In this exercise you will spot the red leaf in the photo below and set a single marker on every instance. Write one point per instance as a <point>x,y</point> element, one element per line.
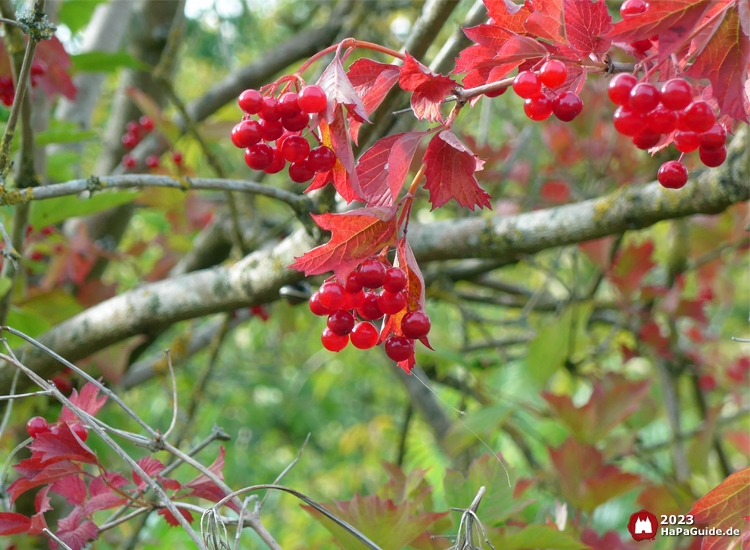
<point>87,401</point>
<point>51,473</point>
<point>149,465</point>
<point>355,236</point>
<point>103,501</point>
<point>630,266</point>
<point>383,168</point>
<point>555,191</point>
<point>38,524</point>
<point>547,21</point>
<point>56,79</point>
<point>586,25</point>
<point>75,531</point>
<point>98,485</point>
<point>724,61</point>
<point>340,90</point>
<point>598,251</point>
<point>429,89</point>
<point>520,48</point>
<point>171,520</point>
<point>13,524</point>
<point>72,488</point>
<point>491,37</point>
<point>508,15</point>
<point>169,483</point>
<point>41,501</point>
<point>63,445</point>
<point>608,541</point>
<point>372,81</point>
<point>450,173</point>
<point>724,508</point>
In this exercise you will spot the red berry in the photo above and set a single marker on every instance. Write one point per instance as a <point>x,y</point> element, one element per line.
<point>415,324</point>
<point>29,230</point>
<point>567,106</point>
<point>271,130</point>
<point>147,123</point>
<point>270,110</point>
<point>129,140</point>
<point>395,279</point>
<point>628,122</point>
<point>527,85</point>
<point>496,93</point>
<point>391,302</point>
<point>332,295</point>
<point>676,94</point>
<point>246,133</point>
<point>364,336</point>
<point>633,7</point>
<point>63,384</point>
<point>295,123</point>
<point>399,348</point>
<point>322,159</point>
<point>288,105</point>
<point>706,382</point>
<point>619,88</point>
<point>553,73</point>
<point>37,256</point>
<point>715,138</point>
<point>251,101</point>
<point>713,157</point>
<point>300,171</point>
<point>36,426</point>
<point>686,142</point>
<point>371,274</point>
<point>642,45</point>
<point>700,117</point>
<point>538,108</point>
<point>177,157</point>
<point>295,148</point>
<point>352,283</point>
<point>38,68</point>
<point>662,120</point>
<point>277,165</point>
<point>316,307</point>
<point>129,162</point>
<point>341,322</point>
<point>673,175</point>
<point>646,139</point>
<point>644,97</point>
<point>370,310</point>
<point>152,161</point>
<point>259,156</point>
<point>312,99</point>
<point>353,300</point>
<point>80,431</point>
<point>332,341</point>
<point>133,127</point>
<point>48,230</point>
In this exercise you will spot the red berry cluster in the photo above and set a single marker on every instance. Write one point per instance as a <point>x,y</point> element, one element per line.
<point>38,425</point>
<point>340,302</point>
<point>645,113</point>
<point>541,99</point>
<point>7,90</point>
<point>282,120</point>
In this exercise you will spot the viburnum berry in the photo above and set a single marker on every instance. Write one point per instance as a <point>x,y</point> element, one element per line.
<point>395,279</point>
<point>270,110</point>
<point>37,256</point>
<point>332,295</point>
<point>288,105</point>
<point>332,341</point>
<point>686,142</point>
<point>567,106</point>
<point>527,85</point>
<point>246,133</point>
<point>538,108</point>
<point>628,122</point>
<point>619,88</point>
<point>370,310</point>
<point>662,120</point>
<point>353,300</point>
<point>399,348</point>
<point>371,274</point>
<point>300,171</point>
<point>277,164</point>
<point>364,335</point>
<point>415,324</point>
<point>676,94</point>
<point>63,384</point>
<point>714,138</point>
<point>644,97</point>
<point>706,382</point>
<point>682,122</point>
<point>713,157</point>
<point>36,426</point>
<point>316,307</point>
<point>129,162</point>
<point>642,45</point>
<point>646,139</point>
<point>295,148</point>
<point>152,161</point>
<point>271,130</point>
<point>80,431</point>
<point>295,123</point>
<point>48,230</point>
<point>341,322</point>
<point>391,302</point>
<point>352,283</point>
<point>700,117</point>
<point>134,128</point>
<point>322,159</point>
<point>553,73</point>
<point>146,123</point>
<point>312,99</point>
<point>633,7</point>
<point>259,156</point>
<point>251,101</point>
<point>673,175</point>
<point>177,157</point>
<point>129,140</point>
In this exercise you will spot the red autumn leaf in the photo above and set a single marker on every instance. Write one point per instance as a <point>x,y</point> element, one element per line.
<point>203,487</point>
<point>49,474</point>
<point>75,531</point>
<point>171,520</point>
<point>631,265</point>
<point>491,37</point>
<point>586,25</point>
<point>13,524</point>
<point>608,541</point>
<point>372,81</point>
<point>355,236</point>
<point>450,173</point>
<point>72,488</point>
<point>598,251</point>
<point>547,21</point>
<point>104,483</point>
<point>340,91</point>
<point>724,61</point>
<point>38,524</point>
<point>87,401</point>
<point>169,483</point>
<point>149,465</point>
<point>41,501</point>
<point>555,191</point>
<point>724,508</point>
<point>63,445</point>
<point>507,14</point>
<point>429,89</point>
<point>103,501</point>
<point>520,48</point>
<point>56,79</point>
<point>651,335</point>
<point>382,169</point>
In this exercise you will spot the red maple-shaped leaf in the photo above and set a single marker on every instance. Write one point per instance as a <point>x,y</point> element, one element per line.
<point>340,91</point>
<point>450,173</point>
<point>75,530</point>
<point>355,236</point>
<point>48,474</point>
<point>56,79</point>
<point>547,21</point>
<point>631,265</point>
<point>203,487</point>
<point>519,49</point>
<point>382,169</point>
<point>42,505</point>
<point>429,89</point>
<point>88,401</point>
<point>372,81</point>
<point>63,445</point>
<point>13,524</point>
<point>72,488</point>
<point>724,61</point>
<point>586,25</point>
<point>171,520</point>
<point>103,501</point>
<point>149,465</point>
<point>105,482</point>
<point>724,508</point>
<point>507,14</point>
<point>169,483</point>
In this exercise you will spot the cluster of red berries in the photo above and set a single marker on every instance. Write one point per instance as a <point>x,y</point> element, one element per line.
<point>8,89</point>
<point>135,131</point>
<point>646,113</point>
<point>38,425</point>
<point>541,99</point>
<point>282,120</point>
<point>340,302</point>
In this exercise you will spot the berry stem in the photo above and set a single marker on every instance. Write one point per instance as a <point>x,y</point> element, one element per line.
<point>350,43</point>
<point>406,212</point>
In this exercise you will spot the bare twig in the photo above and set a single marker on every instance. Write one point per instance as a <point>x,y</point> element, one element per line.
<point>286,470</point>
<point>10,398</point>
<point>54,537</point>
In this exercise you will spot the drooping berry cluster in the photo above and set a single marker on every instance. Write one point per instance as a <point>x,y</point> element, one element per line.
<point>646,113</point>
<point>282,120</point>
<point>541,99</point>
<point>343,303</point>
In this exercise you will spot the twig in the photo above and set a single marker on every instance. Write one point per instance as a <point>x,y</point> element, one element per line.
<point>15,23</point>
<point>54,537</point>
<point>286,470</point>
<point>10,398</point>
<point>240,520</point>
<point>174,395</point>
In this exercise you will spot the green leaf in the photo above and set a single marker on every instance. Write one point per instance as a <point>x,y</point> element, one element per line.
<point>75,14</point>
<point>541,537</point>
<point>64,136</point>
<point>60,165</point>
<point>52,211</point>
<point>5,284</point>
<point>26,321</point>
<point>55,306</point>
<point>105,62</point>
